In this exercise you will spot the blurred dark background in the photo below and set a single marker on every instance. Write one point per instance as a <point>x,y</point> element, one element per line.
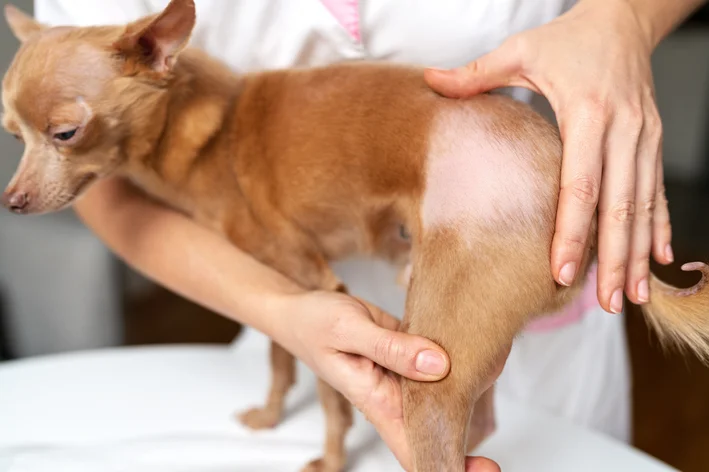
<point>61,290</point>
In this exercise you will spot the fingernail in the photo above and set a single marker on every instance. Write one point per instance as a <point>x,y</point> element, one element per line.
<point>430,363</point>
<point>567,274</point>
<point>669,254</point>
<point>440,70</point>
<point>617,302</point>
<point>643,291</point>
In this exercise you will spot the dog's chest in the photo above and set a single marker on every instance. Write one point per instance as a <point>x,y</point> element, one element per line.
<point>181,199</point>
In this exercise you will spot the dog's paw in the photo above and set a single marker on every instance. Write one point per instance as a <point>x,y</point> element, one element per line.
<point>319,465</point>
<point>259,418</point>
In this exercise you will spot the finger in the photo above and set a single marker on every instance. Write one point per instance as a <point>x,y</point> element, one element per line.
<point>661,227</point>
<point>481,464</point>
<point>377,394</point>
<point>578,198</point>
<point>393,434</point>
<point>496,69</point>
<point>380,317</point>
<point>637,286</point>
<point>392,431</point>
<point>413,357</point>
<point>616,210</point>
<point>378,397</point>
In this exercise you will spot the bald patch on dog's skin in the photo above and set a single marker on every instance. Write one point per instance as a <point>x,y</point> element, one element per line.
<point>477,176</point>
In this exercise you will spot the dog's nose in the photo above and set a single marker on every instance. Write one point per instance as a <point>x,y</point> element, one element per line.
<point>16,201</point>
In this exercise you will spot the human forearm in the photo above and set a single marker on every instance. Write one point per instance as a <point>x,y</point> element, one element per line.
<point>183,256</point>
<point>658,18</point>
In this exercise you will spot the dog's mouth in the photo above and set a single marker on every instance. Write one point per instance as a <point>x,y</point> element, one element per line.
<point>83,183</point>
<point>67,199</point>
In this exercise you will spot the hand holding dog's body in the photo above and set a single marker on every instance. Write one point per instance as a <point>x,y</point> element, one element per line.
<point>593,65</point>
<point>340,354</point>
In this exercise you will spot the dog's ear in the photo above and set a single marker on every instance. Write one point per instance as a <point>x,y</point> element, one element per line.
<point>156,41</point>
<point>21,24</point>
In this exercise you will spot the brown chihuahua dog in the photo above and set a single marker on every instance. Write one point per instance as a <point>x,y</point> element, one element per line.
<point>302,167</point>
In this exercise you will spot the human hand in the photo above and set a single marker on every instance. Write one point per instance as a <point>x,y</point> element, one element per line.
<point>356,348</point>
<point>593,66</point>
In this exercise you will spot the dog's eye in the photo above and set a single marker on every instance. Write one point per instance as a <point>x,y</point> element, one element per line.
<point>17,137</point>
<point>66,135</point>
<point>404,233</point>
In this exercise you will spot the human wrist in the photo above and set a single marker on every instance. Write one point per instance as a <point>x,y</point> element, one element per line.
<point>645,17</point>
<point>656,19</point>
<point>621,15</point>
<point>270,312</point>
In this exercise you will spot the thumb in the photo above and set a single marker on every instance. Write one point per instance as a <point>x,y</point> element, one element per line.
<point>411,356</point>
<point>493,70</point>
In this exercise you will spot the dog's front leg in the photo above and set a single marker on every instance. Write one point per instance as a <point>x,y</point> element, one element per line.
<point>338,418</point>
<point>338,415</point>
<point>296,256</point>
<point>282,379</point>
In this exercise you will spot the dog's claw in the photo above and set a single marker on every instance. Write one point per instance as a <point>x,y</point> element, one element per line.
<point>259,418</point>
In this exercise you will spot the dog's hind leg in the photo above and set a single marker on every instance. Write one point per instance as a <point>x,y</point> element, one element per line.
<point>482,423</point>
<point>467,296</point>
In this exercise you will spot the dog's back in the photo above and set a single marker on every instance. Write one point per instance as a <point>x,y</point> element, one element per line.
<point>351,149</point>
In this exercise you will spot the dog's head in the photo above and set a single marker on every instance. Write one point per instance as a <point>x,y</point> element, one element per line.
<point>79,97</point>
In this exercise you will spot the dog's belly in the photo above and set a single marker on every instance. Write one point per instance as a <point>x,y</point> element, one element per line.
<point>375,281</point>
<point>379,236</point>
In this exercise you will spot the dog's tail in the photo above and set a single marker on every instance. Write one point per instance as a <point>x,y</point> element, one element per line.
<point>680,317</point>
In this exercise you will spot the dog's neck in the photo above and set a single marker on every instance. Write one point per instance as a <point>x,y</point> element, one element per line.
<point>178,128</point>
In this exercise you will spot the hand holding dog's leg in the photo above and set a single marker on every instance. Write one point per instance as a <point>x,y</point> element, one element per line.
<point>345,343</point>
<point>356,350</point>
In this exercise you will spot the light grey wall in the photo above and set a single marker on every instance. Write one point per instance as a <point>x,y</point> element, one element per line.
<point>10,149</point>
<point>681,73</point>
<point>61,288</point>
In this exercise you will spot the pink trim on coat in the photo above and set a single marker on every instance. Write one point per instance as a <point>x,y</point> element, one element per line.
<point>347,14</point>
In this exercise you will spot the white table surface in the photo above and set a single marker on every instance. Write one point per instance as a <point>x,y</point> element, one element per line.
<point>160,409</point>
